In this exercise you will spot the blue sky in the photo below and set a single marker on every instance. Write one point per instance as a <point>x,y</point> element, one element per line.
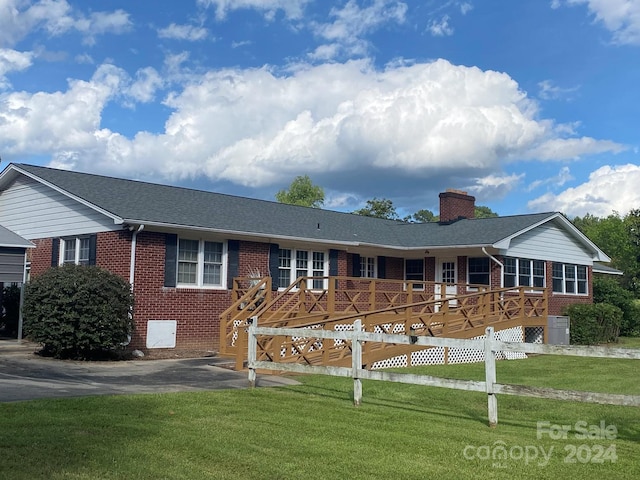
<point>529,105</point>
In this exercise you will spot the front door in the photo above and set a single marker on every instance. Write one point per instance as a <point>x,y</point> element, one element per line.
<point>447,276</point>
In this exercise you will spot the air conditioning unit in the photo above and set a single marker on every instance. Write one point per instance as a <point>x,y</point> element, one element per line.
<point>558,330</point>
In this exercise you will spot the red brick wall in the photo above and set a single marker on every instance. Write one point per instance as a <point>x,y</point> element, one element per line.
<point>455,204</point>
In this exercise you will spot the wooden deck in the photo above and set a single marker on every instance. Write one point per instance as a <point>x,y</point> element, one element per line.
<point>387,306</point>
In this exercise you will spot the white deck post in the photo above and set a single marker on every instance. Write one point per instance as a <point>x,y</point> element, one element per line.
<point>356,362</point>
<point>252,348</point>
<point>490,376</point>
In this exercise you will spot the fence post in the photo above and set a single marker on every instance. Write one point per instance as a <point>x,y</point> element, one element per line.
<point>356,362</point>
<point>490,377</point>
<point>252,349</point>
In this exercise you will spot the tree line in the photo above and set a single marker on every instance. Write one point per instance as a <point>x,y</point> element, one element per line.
<point>304,193</point>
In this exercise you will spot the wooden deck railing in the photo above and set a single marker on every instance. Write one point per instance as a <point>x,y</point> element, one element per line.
<point>386,306</point>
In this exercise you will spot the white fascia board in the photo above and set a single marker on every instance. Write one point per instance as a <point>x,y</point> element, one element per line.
<point>116,219</point>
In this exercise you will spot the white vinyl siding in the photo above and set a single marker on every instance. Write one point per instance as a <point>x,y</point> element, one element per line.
<point>34,210</point>
<point>551,243</point>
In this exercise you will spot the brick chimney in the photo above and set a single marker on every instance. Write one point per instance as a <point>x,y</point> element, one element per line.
<point>456,204</point>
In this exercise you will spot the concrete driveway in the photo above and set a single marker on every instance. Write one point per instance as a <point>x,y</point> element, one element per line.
<point>26,376</point>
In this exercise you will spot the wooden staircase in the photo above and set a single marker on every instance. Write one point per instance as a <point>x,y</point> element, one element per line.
<point>385,306</point>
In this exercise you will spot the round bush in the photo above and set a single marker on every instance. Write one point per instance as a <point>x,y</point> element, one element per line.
<point>79,312</point>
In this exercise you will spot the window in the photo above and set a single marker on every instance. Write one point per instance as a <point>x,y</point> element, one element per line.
<point>368,267</point>
<point>414,270</point>
<point>479,271</point>
<point>201,263</point>
<point>569,279</point>
<point>75,250</point>
<point>301,263</point>
<point>522,272</point>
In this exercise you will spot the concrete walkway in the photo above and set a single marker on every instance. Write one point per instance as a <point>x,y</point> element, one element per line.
<point>26,376</point>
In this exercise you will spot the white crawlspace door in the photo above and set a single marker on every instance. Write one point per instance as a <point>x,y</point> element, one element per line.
<point>447,277</point>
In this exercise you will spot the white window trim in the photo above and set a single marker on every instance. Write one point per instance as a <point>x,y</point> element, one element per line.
<point>293,270</point>
<point>364,260</point>
<point>575,279</point>
<point>200,267</point>
<point>531,275</point>
<point>76,260</point>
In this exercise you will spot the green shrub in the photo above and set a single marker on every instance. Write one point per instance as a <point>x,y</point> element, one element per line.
<point>79,312</point>
<point>609,290</point>
<point>10,310</point>
<point>594,323</point>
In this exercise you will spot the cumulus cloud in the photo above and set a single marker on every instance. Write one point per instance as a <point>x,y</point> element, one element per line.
<point>407,126</point>
<point>609,189</point>
<point>292,9</point>
<point>183,32</point>
<point>440,27</point>
<point>42,123</point>
<point>12,61</point>
<point>56,17</point>
<point>493,186</point>
<point>620,17</point>
<point>351,22</point>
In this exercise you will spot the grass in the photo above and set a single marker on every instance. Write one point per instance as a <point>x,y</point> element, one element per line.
<point>313,430</point>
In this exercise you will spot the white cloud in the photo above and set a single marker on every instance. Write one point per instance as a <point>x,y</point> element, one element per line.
<point>147,81</point>
<point>441,27</point>
<point>19,18</point>
<point>550,91</point>
<point>495,185</point>
<point>620,17</point>
<point>465,7</point>
<point>571,148</point>
<point>609,189</point>
<point>49,123</point>
<point>563,176</point>
<point>351,22</point>
<point>408,123</point>
<point>183,32</point>
<point>292,9</point>
<point>12,61</point>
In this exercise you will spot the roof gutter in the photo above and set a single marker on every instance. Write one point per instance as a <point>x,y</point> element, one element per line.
<point>134,241</point>
<point>484,250</point>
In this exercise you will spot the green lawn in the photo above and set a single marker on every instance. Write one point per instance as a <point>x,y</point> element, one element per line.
<point>314,431</point>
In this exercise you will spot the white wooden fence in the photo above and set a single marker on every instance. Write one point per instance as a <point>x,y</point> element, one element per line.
<point>489,344</point>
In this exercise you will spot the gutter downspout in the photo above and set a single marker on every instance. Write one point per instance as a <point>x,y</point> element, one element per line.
<point>132,267</point>
<point>484,250</point>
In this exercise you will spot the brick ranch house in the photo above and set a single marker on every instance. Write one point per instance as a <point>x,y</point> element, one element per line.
<point>181,248</point>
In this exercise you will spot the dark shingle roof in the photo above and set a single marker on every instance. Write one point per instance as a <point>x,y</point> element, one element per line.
<point>148,203</point>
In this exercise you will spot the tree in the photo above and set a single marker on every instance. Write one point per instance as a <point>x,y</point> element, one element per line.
<point>484,212</point>
<point>425,216</point>
<point>617,237</point>
<point>422,216</point>
<point>379,208</point>
<point>78,312</point>
<point>302,192</point>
